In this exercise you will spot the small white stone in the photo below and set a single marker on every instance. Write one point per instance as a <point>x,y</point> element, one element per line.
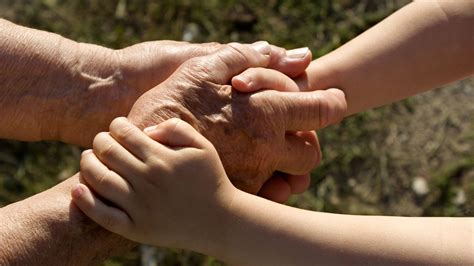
<point>191,31</point>
<point>420,186</point>
<point>460,197</point>
<point>352,182</point>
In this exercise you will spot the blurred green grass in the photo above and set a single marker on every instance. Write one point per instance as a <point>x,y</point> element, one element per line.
<point>370,160</point>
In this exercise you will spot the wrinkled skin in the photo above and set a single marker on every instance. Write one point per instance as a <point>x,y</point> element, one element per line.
<point>239,126</point>
<point>249,131</point>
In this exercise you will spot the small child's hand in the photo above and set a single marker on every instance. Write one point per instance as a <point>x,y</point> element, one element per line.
<point>170,192</point>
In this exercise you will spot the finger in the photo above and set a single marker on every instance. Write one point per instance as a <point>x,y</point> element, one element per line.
<point>307,110</point>
<point>162,59</point>
<point>298,183</point>
<point>190,50</point>
<point>177,133</point>
<point>297,157</point>
<point>111,218</point>
<point>292,62</point>
<point>312,138</point>
<point>275,189</point>
<point>116,157</point>
<point>132,139</point>
<point>227,62</point>
<point>254,79</point>
<point>105,182</point>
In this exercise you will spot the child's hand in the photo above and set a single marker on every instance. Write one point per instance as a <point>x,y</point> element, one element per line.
<point>170,192</point>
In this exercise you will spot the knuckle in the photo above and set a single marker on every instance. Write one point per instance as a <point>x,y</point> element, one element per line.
<point>279,55</point>
<point>155,165</point>
<point>117,123</point>
<point>99,140</point>
<point>235,46</point>
<point>123,132</point>
<point>195,64</point>
<point>85,167</point>
<point>213,46</point>
<point>103,178</point>
<point>258,74</point>
<point>173,122</point>
<point>232,56</point>
<point>103,147</point>
<point>238,52</point>
<point>197,68</point>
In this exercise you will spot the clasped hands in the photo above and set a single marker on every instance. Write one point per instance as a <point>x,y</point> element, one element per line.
<point>242,98</point>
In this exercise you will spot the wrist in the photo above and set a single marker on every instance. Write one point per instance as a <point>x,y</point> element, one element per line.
<point>322,74</point>
<point>233,229</point>
<point>96,91</point>
<point>214,236</point>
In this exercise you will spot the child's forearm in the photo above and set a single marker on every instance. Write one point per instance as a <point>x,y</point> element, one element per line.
<point>423,45</point>
<point>261,232</point>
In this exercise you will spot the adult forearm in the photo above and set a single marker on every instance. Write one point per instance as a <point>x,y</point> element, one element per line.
<point>47,229</point>
<point>261,232</point>
<point>52,88</point>
<point>423,45</point>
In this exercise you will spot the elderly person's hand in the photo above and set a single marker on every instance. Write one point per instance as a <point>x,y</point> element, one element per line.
<point>72,92</point>
<point>248,130</point>
<point>116,78</point>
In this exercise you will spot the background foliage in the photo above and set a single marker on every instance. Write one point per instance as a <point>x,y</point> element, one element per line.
<point>411,158</point>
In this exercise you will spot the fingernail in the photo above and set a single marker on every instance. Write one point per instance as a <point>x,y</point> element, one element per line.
<point>86,152</point>
<point>149,129</point>
<point>77,192</point>
<point>297,53</point>
<point>244,79</point>
<point>262,47</point>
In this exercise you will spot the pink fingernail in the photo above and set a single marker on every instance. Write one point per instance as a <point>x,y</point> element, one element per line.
<point>86,152</point>
<point>78,191</point>
<point>297,53</point>
<point>262,47</point>
<point>243,78</point>
<point>149,129</point>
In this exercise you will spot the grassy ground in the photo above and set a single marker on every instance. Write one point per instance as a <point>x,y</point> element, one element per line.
<point>412,158</point>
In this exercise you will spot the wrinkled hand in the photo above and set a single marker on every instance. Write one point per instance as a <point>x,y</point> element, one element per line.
<point>115,79</point>
<point>249,131</point>
<point>147,64</point>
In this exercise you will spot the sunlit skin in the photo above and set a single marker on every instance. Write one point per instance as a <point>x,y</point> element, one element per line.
<point>424,45</point>
<point>81,87</point>
<point>166,186</point>
<point>393,60</point>
<point>253,133</point>
<point>71,93</point>
<point>435,47</point>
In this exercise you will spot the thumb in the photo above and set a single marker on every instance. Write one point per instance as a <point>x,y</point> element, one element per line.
<point>292,63</point>
<point>176,133</point>
<point>304,111</point>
